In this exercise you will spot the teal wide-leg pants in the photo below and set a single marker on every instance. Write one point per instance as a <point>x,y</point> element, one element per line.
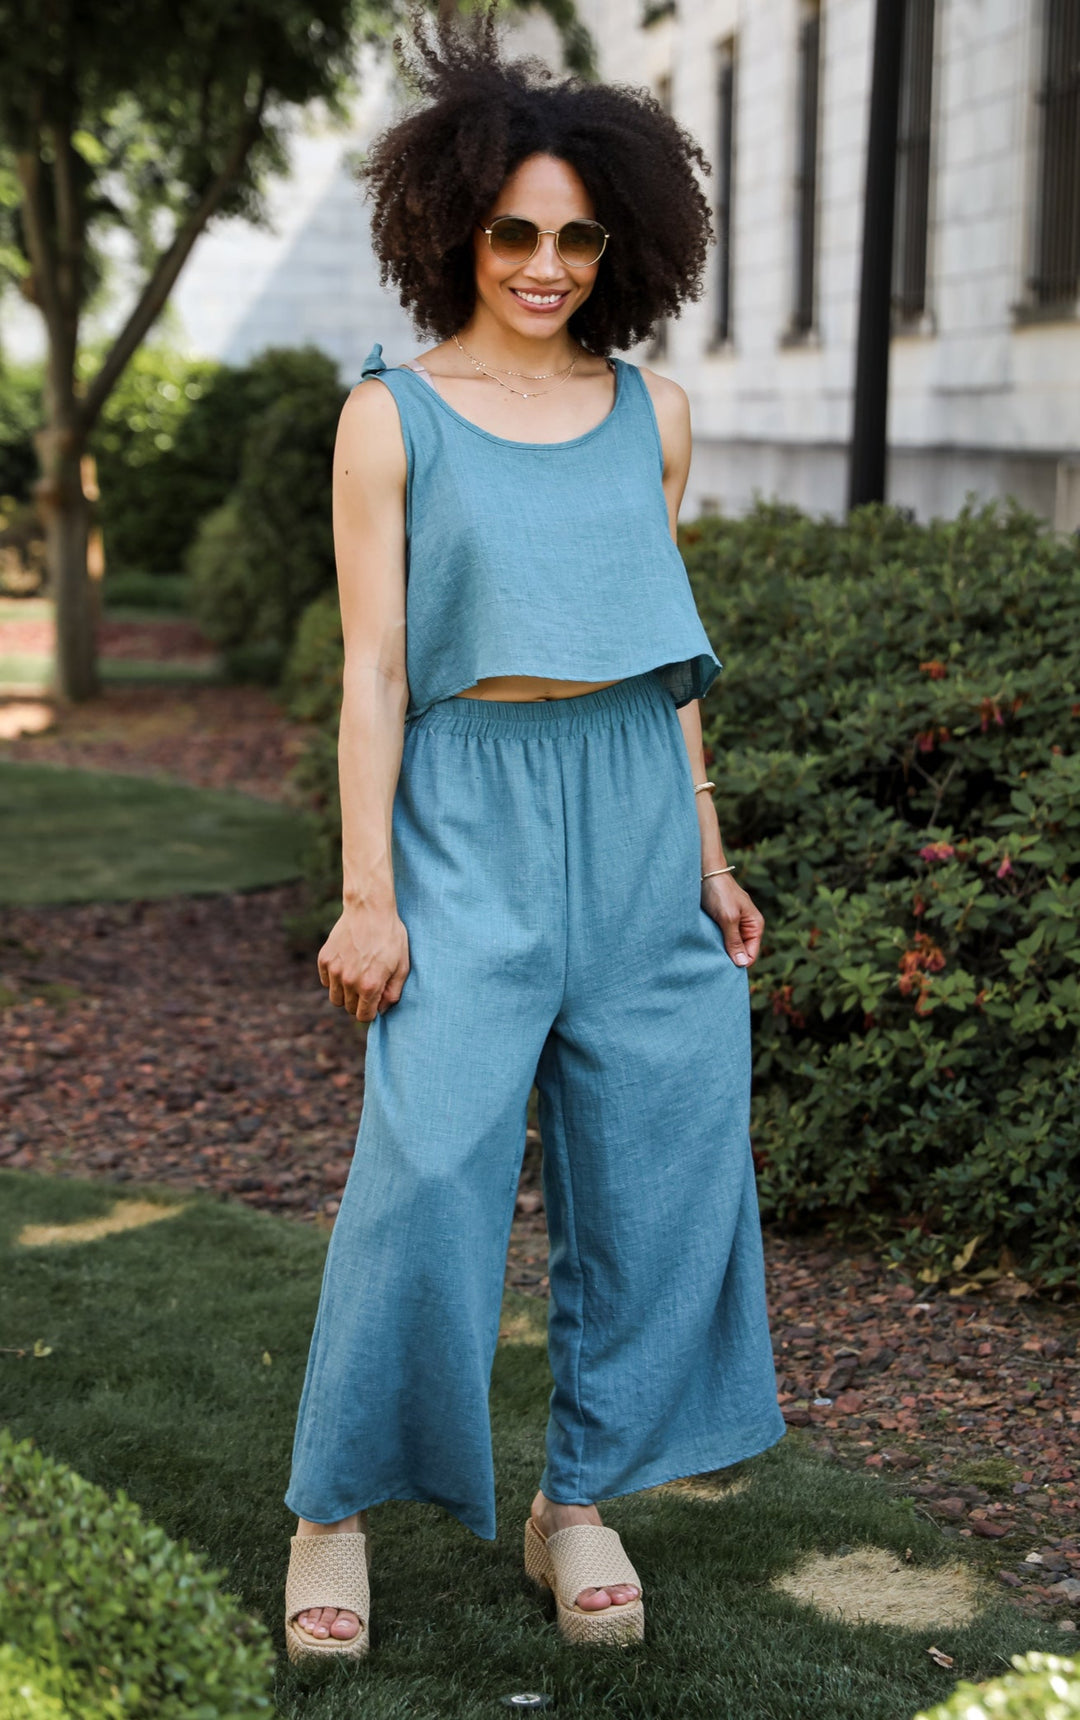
<point>547,869</point>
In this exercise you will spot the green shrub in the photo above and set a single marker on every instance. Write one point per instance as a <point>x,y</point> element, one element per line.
<point>893,742</point>
<point>111,1615</point>
<point>30,1690</point>
<point>311,688</point>
<point>152,494</point>
<point>258,560</point>
<point>21,409</point>
<point>1043,1687</point>
<point>223,585</point>
<point>170,592</point>
<point>894,746</point>
<point>170,444</point>
<point>311,683</point>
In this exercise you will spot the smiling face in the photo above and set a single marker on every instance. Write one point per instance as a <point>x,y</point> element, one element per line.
<point>536,298</point>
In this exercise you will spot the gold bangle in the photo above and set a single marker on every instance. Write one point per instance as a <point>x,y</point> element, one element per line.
<point>698,786</point>
<point>716,873</point>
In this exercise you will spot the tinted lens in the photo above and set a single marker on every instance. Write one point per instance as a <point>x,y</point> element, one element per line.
<point>580,243</point>
<point>513,239</point>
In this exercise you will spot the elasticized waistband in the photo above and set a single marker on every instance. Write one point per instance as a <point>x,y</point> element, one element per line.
<point>569,715</point>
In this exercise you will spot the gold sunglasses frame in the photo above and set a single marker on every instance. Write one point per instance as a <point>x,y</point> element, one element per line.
<point>540,231</point>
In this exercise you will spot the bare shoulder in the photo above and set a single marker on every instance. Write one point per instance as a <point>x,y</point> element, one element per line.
<point>369,431</point>
<point>672,409</point>
<point>666,394</point>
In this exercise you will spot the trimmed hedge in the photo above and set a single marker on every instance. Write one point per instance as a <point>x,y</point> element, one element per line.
<point>108,1614</point>
<point>1043,1687</point>
<point>894,745</point>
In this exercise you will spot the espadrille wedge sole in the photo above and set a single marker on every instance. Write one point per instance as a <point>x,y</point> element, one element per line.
<point>328,1571</point>
<point>585,1556</point>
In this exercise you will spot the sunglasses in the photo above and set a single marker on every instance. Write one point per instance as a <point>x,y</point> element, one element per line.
<point>515,240</point>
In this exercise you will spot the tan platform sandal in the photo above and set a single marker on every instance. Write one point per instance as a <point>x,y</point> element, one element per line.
<point>585,1556</point>
<point>328,1571</point>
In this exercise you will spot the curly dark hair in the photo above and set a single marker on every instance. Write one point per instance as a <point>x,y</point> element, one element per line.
<point>434,172</point>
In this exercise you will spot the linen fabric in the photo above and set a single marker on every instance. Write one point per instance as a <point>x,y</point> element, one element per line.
<point>540,558</point>
<point>547,863</point>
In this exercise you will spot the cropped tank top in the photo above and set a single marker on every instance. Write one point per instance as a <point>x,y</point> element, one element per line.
<point>552,559</point>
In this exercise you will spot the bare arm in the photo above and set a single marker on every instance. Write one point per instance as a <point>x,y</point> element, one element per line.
<point>723,899</point>
<point>364,962</point>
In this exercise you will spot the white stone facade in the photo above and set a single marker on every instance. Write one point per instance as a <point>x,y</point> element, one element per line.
<point>980,398</point>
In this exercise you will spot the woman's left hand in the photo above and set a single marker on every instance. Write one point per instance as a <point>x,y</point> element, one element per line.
<point>741,923</point>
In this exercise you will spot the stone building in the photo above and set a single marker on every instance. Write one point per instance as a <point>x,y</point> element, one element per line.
<point>985,357</point>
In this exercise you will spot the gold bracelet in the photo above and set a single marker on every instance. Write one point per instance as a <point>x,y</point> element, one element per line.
<point>716,873</point>
<point>698,786</point>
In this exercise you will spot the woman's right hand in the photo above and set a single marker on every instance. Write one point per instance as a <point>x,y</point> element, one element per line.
<point>365,961</point>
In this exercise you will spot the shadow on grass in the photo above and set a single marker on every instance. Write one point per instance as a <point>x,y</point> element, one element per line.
<point>157,1383</point>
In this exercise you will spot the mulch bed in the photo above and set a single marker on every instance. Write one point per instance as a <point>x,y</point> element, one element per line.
<point>208,736</point>
<point>168,639</point>
<point>188,1042</point>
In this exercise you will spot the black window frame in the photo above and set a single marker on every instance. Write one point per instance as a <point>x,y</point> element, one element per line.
<point>726,148</point>
<point>914,141</point>
<point>808,112</point>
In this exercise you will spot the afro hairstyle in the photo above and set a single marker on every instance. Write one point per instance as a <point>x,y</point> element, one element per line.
<point>436,170</point>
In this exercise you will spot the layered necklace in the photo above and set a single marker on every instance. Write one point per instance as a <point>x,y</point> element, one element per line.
<point>522,393</point>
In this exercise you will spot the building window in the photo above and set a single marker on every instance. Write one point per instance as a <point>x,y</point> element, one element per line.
<point>725,185</point>
<point>1055,278</point>
<point>802,316</point>
<point>913,161</point>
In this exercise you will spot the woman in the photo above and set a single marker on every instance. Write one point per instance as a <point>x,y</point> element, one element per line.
<point>535,886</point>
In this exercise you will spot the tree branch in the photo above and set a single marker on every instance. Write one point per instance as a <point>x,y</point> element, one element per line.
<point>159,285</point>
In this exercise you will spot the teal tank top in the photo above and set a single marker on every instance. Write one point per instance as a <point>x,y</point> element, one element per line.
<point>540,558</point>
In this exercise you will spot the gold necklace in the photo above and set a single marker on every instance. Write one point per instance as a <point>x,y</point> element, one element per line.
<point>522,393</point>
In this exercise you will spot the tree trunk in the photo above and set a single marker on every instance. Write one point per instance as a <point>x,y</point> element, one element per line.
<point>66,517</point>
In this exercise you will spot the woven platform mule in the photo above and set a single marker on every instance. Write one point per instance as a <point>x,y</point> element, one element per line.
<point>328,1571</point>
<point>585,1556</point>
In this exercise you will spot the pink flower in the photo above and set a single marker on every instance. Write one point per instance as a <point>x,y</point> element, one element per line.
<point>1005,868</point>
<point>937,851</point>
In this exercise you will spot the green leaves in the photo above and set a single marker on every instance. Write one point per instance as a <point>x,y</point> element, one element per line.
<point>114,1620</point>
<point>895,740</point>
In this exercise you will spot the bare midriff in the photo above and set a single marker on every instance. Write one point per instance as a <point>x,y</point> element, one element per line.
<point>528,687</point>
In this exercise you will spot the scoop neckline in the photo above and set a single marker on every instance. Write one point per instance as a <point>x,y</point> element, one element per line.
<point>511,441</point>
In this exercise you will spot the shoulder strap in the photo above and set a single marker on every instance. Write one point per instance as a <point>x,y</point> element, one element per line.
<point>374,364</point>
<point>642,406</point>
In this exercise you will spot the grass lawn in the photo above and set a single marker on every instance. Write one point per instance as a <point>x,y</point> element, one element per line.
<point>19,671</point>
<point>82,836</point>
<point>157,1382</point>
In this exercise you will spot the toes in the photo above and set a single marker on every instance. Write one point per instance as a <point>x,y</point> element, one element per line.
<point>619,1594</point>
<point>594,1600</point>
<point>328,1621</point>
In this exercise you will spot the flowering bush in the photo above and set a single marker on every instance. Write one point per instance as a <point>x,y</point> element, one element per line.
<point>894,745</point>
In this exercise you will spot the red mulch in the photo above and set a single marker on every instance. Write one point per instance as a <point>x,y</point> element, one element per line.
<point>186,1042</point>
<point>209,736</point>
<point>167,639</point>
